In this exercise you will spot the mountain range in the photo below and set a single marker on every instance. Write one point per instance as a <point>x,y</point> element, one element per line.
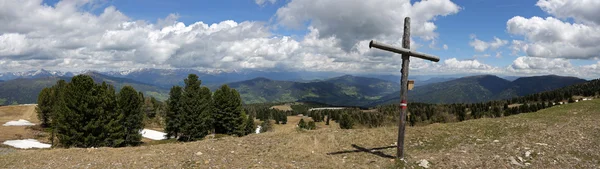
<point>482,88</point>
<point>26,90</point>
<point>261,87</point>
<point>342,91</point>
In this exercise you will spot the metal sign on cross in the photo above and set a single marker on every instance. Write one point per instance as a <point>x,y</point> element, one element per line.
<point>406,53</point>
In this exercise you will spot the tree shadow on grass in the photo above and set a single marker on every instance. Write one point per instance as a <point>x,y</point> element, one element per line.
<point>366,150</point>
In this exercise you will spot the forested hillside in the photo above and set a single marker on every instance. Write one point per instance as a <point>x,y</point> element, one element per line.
<point>482,88</point>
<point>344,90</point>
<point>26,90</point>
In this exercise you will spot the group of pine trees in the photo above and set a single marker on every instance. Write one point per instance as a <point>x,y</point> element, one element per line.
<point>193,112</point>
<point>81,113</point>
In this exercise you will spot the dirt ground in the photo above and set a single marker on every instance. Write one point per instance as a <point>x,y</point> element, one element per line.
<point>13,113</point>
<point>566,136</point>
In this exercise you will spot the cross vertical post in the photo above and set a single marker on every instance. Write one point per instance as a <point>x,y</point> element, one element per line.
<point>406,54</point>
<point>403,89</point>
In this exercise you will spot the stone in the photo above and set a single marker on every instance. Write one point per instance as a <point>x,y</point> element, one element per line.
<point>199,153</point>
<point>514,162</point>
<point>527,153</point>
<point>496,141</point>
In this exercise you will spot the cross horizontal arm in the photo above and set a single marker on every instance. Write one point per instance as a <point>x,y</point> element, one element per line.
<point>390,48</point>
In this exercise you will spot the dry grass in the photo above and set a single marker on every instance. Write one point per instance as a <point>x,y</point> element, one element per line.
<point>566,136</point>
<point>514,105</point>
<point>12,113</point>
<point>285,107</point>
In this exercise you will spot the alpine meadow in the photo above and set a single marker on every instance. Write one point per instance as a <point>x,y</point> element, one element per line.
<point>299,84</point>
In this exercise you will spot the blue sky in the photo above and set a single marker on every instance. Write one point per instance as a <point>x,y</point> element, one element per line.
<point>483,18</point>
<point>508,37</point>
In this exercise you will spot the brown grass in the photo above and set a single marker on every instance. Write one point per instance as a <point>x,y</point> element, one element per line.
<point>566,136</point>
<point>13,113</point>
<point>285,107</point>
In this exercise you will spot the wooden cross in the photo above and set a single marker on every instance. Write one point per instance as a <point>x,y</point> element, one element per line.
<point>406,53</point>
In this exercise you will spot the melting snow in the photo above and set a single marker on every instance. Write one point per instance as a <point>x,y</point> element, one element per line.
<point>153,134</point>
<point>26,144</point>
<point>19,122</point>
<point>258,129</point>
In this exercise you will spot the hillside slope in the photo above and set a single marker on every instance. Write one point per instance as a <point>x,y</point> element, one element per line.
<point>482,88</point>
<point>27,90</point>
<point>564,136</point>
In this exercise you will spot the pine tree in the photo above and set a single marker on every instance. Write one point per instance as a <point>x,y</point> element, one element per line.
<point>130,104</point>
<point>328,117</point>
<point>58,107</point>
<point>110,117</point>
<point>228,111</point>
<point>302,124</point>
<point>173,119</point>
<point>266,126</point>
<point>76,127</point>
<point>346,121</point>
<point>250,127</point>
<point>44,107</point>
<point>311,125</point>
<point>283,118</point>
<point>197,110</point>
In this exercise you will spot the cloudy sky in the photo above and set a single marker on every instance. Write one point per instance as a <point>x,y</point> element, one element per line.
<point>508,37</point>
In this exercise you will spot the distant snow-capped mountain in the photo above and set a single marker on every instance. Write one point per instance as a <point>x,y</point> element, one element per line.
<point>33,74</point>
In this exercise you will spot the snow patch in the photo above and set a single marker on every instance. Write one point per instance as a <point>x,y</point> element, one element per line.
<point>258,129</point>
<point>19,122</point>
<point>26,144</point>
<point>153,134</point>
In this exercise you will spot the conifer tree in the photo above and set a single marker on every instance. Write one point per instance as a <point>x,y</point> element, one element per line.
<point>76,127</point>
<point>346,121</point>
<point>110,117</point>
<point>59,107</point>
<point>197,110</point>
<point>228,112</point>
<point>173,120</point>
<point>44,107</point>
<point>283,118</point>
<point>249,125</point>
<point>302,123</point>
<point>130,104</point>
<point>328,117</point>
<point>311,125</point>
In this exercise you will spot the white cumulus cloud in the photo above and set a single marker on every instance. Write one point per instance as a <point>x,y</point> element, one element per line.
<point>482,46</point>
<point>352,21</point>
<point>555,38</point>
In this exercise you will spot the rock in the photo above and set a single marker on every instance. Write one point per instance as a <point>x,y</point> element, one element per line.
<point>495,141</point>
<point>520,159</point>
<point>199,153</point>
<point>232,152</point>
<point>479,140</point>
<point>527,153</point>
<point>514,162</point>
<point>527,164</point>
<point>206,161</point>
<point>542,144</point>
<point>424,163</point>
